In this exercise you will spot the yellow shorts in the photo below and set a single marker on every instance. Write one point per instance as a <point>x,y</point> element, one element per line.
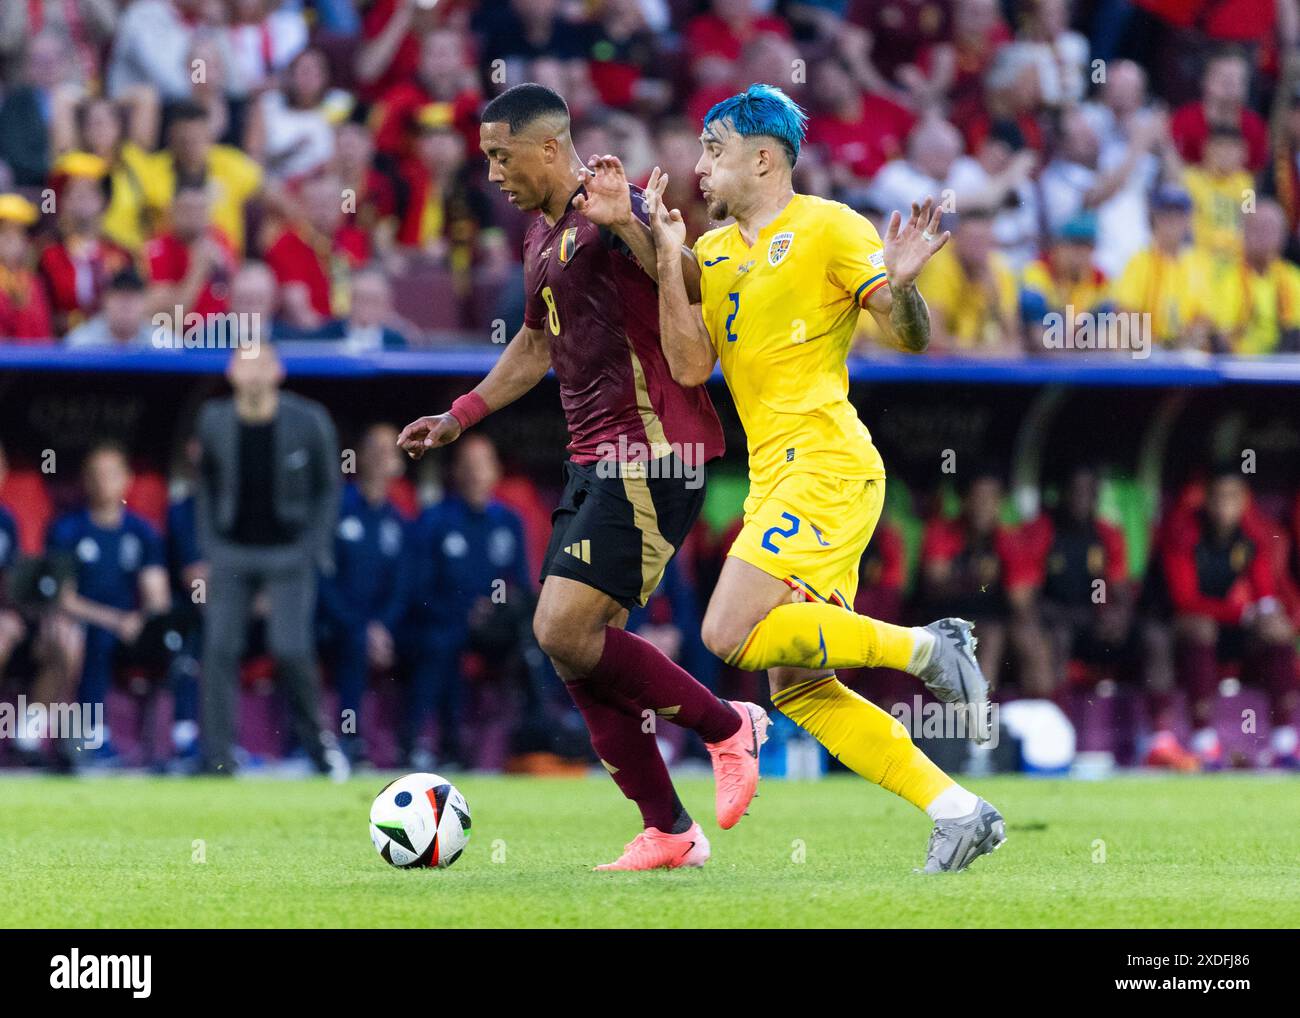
<point>810,531</point>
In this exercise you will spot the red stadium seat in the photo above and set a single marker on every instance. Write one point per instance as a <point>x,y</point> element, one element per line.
<point>521,495</point>
<point>147,497</point>
<point>425,295</point>
<point>24,494</point>
<point>402,494</point>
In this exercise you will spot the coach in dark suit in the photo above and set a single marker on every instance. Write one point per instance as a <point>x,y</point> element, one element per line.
<point>267,503</point>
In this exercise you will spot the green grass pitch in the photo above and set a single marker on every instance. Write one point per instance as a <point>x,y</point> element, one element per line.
<point>1129,852</point>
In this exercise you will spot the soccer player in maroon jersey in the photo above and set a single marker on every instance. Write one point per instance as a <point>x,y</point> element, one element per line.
<point>638,445</point>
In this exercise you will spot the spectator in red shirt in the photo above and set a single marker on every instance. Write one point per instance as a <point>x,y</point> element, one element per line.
<point>77,266</point>
<point>677,150</point>
<point>976,567</point>
<point>375,204</point>
<point>390,50</point>
<point>24,308</point>
<point>1221,585</point>
<point>953,70</point>
<point>766,57</point>
<point>856,133</point>
<point>625,58</point>
<point>714,41</point>
<point>442,208</point>
<point>313,259</point>
<point>444,75</point>
<point>1089,602</point>
<point>1082,564</point>
<point>191,265</point>
<point>901,29</point>
<point>1225,88</point>
<point>1011,92</point>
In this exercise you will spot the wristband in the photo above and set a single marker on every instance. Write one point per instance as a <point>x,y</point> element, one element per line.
<point>469,409</point>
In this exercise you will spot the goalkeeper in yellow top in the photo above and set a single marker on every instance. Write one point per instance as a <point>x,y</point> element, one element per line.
<point>779,294</point>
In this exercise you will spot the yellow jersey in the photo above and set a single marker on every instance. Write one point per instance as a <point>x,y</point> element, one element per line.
<point>1250,309</point>
<point>233,178</point>
<point>1165,286</point>
<point>976,317</point>
<point>1088,293</point>
<point>1216,209</point>
<point>781,315</point>
<point>127,220</point>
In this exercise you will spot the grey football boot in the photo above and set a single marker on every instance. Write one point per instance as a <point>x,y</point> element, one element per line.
<point>955,844</point>
<point>953,674</point>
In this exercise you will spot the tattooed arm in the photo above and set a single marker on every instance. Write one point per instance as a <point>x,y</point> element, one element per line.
<point>898,308</point>
<point>903,317</point>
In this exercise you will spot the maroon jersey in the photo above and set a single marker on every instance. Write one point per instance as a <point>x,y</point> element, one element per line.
<point>600,313</point>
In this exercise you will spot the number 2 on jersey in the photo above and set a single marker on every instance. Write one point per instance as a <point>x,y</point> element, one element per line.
<point>552,313</point>
<point>735,310</point>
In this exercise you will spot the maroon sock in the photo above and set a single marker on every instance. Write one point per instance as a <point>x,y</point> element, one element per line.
<point>1199,666</point>
<point>638,670</point>
<point>1275,665</point>
<point>632,758</point>
<point>1161,707</point>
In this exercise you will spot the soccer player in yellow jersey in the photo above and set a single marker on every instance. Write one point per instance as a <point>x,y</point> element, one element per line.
<point>780,292</point>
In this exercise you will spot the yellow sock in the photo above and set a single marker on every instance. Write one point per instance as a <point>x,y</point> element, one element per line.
<point>863,738</point>
<point>816,635</point>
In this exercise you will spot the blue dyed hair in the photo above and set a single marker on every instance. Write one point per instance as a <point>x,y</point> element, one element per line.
<point>763,110</point>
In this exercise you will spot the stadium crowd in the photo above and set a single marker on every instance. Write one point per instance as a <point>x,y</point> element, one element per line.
<point>316,161</point>
<point>316,165</point>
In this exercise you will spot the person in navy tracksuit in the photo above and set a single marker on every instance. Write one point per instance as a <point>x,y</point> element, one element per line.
<point>120,576</point>
<point>12,627</point>
<point>472,572</point>
<point>363,603</point>
<point>186,567</point>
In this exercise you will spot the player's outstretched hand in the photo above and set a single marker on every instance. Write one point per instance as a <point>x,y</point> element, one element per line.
<point>607,201</point>
<point>908,247</point>
<point>428,433</point>
<point>666,225</point>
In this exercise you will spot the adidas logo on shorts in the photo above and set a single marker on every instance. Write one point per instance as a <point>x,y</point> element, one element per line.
<point>580,550</point>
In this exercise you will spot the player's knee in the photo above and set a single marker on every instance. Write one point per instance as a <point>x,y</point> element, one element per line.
<point>560,637</point>
<point>722,635</point>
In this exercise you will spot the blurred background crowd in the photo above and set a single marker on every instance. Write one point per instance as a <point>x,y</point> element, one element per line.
<point>316,161</point>
<point>315,164</point>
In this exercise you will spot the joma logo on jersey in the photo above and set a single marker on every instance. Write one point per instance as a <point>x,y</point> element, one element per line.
<point>779,248</point>
<point>568,244</point>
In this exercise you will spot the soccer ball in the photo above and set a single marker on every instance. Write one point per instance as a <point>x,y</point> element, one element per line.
<point>419,820</point>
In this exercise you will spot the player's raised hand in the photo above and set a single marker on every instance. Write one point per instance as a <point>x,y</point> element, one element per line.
<point>909,246</point>
<point>428,433</point>
<point>666,225</point>
<point>607,201</point>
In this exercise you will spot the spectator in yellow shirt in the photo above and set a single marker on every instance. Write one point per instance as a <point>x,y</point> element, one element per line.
<point>1164,279</point>
<point>1252,305</point>
<point>971,291</point>
<point>231,177</point>
<point>1066,277</point>
<point>1218,188</point>
<point>122,132</point>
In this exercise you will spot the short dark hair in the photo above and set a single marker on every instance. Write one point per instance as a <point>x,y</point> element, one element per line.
<point>983,469</point>
<point>1224,132</point>
<point>521,105</point>
<point>126,280</point>
<point>186,109</point>
<point>1226,470</point>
